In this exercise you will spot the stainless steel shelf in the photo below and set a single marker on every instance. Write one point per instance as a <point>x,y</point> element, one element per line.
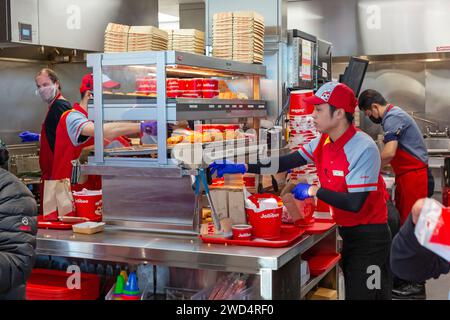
<point>123,108</point>
<point>304,290</point>
<point>211,63</point>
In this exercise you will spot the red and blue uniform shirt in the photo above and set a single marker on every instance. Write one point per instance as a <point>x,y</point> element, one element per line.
<point>350,164</point>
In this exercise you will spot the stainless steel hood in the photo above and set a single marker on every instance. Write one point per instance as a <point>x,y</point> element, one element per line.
<point>375,27</point>
<point>43,29</point>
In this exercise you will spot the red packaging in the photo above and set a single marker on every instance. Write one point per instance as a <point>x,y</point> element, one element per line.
<point>89,204</point>
<point>297,106</point>
<point>322,206</point>
<point>52,285</point>
<point>172,84</point>
<point>210,84</point>
<point>172,94</point>
<point>209,94</point>
<point>193,84</point>
<point>191,94</point>
<point>307,208</point>
<point>249,182</point>
<point>242,232</point>
<point>266,223</point>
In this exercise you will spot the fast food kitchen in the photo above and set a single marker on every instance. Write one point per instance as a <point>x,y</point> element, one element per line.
<point>201,164</point>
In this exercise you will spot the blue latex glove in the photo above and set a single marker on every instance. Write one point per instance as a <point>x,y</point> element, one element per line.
<point>28,136</point>
<point>300,191</point>
<point>150,128</point>
<point>226,167</point>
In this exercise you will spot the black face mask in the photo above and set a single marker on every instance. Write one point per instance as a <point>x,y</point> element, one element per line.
<point>375,120</point>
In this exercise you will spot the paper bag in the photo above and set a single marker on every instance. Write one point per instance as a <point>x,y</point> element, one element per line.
<point>291,203</point>
<point>49,205</point>
<point>58,200</point>
<point>220,202</point>
<point>64,198</point>
<point>236,208</point>
<point>433,228</point>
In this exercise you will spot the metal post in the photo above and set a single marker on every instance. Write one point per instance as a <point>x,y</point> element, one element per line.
<point>98,108</point>
<point>161,102</point>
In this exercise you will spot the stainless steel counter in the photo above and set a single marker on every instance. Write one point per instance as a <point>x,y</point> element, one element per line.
<point>273,265</point>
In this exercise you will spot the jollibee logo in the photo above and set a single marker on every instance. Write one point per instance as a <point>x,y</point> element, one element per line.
<point>326,95</point>
<point>245,235</point>
<point>270,215</point>
<point>81,201</point>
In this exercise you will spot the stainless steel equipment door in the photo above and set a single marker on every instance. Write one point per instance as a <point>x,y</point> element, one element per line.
<point>26,12</point>
<point>81,24</point>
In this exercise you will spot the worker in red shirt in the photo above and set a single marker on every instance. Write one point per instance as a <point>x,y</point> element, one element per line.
<point>49,89</point>
<point>348,165</point>
<point>75,132</point>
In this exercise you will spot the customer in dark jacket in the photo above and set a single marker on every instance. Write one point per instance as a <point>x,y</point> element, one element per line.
<point>409,259</point>
<point>18,227</point>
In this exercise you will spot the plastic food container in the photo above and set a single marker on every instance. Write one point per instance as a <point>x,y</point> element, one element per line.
<point>210,94</point>
<point>266,223</point>
<point>89,204</point>
<point>52,285</point>
<point>210,84</point>
<point>242,232</point>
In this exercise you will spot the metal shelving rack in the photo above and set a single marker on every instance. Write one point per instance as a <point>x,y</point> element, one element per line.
<point>162,109</point>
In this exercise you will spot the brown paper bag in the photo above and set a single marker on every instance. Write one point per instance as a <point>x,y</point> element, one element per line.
<point>220,202</point>
<point>58,199</point>
<point>64,198</point>
<point>236,207</point>
<point>49,205</point>
<point>291,203</point>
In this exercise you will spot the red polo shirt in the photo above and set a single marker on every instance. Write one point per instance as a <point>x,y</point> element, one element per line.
<point>350,164</point>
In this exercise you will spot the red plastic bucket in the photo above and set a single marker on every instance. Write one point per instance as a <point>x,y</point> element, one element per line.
<point>89,205</point>
<point>267,223</point>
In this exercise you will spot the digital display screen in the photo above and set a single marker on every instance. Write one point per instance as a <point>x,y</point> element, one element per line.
<point>25,32</point>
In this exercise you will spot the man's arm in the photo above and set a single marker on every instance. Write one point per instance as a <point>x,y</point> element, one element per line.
<point>112,130</point>
<point>285,163</point>
<point>388,153</point>
<point>293,160</point>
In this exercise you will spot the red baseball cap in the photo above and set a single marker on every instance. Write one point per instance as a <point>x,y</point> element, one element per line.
<point>336,94</point>
<point>87,83</point>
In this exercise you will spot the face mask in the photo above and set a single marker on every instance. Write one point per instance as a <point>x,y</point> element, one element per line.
<point>375,120</point>
<point>47,94</point>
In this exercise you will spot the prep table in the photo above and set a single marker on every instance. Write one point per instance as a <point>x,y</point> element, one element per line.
<point>278,269</point>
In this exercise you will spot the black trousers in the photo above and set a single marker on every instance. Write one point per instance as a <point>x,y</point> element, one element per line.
<point>365,262</point>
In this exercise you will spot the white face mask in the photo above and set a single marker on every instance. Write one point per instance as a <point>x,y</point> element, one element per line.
<point>47,94</point>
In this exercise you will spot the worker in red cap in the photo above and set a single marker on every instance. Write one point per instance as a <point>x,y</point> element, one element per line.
<point>75,132</point>
<point>348,165</point>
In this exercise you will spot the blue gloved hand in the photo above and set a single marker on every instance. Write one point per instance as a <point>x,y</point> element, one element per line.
<point>226,167</point>
<point>300,191</point>
<point>150,128</point>
<point>28,136</point>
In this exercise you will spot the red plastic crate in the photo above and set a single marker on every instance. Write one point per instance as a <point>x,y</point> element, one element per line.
<point>52,285</point>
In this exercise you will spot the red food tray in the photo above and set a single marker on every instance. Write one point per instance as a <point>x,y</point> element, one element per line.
<point>58,225</point>
<point>289,234</point>
<point>319,264</point>
<point>52,285</point>
<point>319,227</point>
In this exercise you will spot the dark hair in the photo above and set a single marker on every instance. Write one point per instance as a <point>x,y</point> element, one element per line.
<point>348,115</point>
<point>51,74</point>
<point>369,97</point>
